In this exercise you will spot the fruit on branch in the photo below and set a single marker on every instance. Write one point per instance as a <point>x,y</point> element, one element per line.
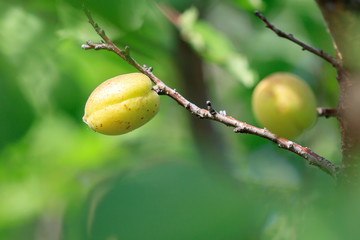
<point>121,104</point>
<point>284,104</point>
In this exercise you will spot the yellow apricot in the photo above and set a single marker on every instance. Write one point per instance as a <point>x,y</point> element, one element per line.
<point>284,104</point>
<point>121,104</point>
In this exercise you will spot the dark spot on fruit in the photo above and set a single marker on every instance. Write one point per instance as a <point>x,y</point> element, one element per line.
<point>128,127</point>
<point>142,118</point>
<point>128,123</point>
<point>101,125</point>
<point>147,110</point>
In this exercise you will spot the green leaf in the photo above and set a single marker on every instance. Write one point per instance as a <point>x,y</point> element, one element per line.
<point>214,47</point>
<point>250,4</point>
<point>17,114</point>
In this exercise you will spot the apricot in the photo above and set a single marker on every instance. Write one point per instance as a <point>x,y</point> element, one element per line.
<point>121,104</point>
<point>284,104</point>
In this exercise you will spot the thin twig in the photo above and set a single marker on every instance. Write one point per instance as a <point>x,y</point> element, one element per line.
<point>311,157</point>
<point>170,13</point>
<point>332,60</point>
<point>327,112</point>
<point>210,113</point>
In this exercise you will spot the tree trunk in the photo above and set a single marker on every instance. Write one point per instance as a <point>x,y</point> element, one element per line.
<point>342,18</point>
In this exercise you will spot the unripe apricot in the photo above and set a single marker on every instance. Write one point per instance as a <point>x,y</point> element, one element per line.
<point>284,104</point>
<point>121,104</point>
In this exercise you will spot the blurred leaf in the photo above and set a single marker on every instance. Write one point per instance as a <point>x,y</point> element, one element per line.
<point>19,27</point>
<point>171,201</point>
<point>17,114</point>
<point>214,47</point>
<point>250,4</point>
<point>20,200</point>
<point>185,4</point>
<point>125,15</point>
<point>36,70</point>
<point>279,227</point>
<point>269,169</point>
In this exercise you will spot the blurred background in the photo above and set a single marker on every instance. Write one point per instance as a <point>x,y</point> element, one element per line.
<point>177,177</point>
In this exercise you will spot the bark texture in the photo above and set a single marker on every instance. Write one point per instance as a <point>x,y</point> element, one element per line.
<point>342,18</point>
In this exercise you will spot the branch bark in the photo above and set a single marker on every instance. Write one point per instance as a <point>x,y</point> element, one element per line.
<point>333,61</point>
<point>327,112</point>
<point>342,18</point>
<point>210,113</point>
<point>343,22</point>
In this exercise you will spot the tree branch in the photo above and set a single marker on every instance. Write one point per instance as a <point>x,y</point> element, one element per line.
<point>210,113</point>
<point>306,153</point>
<point>343,24</point>
<point>332,60</point>
<point>327,112</point>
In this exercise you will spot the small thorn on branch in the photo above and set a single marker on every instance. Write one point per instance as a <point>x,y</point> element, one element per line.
<point>85,46</point>
<point>199,113</point>
<point>327,112</point>
<point>210,108</point>
<point>222,112</point>
<point>126,51</point>
<point>239,129</point>
<point>101,45</point>
<point>148,69</point>
<point>287,144</point>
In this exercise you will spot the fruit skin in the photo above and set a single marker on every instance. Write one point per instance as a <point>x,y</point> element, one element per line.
<point>284,104</point>
<point>121,104</point>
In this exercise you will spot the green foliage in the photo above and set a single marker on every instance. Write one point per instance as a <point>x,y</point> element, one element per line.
<point>171,201</point>
<point>59,179</point>
<point>214,47</point>
<point>22,115</point>
<point>250,4</point>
